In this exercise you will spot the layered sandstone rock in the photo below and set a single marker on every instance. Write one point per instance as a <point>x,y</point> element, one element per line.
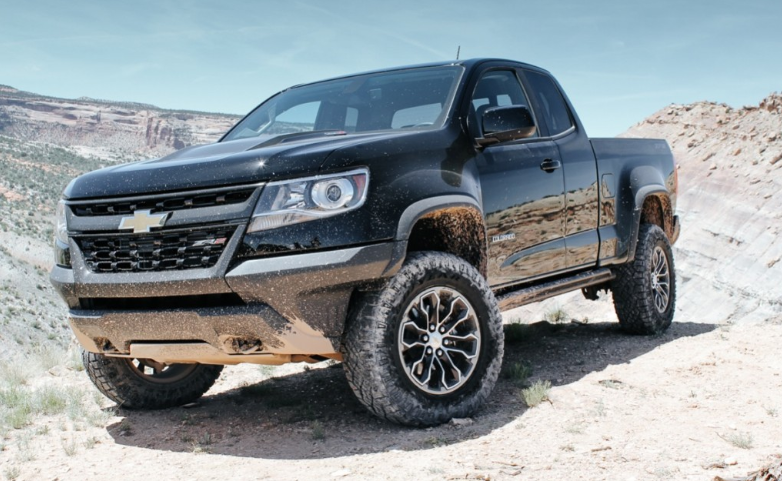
<point>730,177</point>
<point>123,128</point>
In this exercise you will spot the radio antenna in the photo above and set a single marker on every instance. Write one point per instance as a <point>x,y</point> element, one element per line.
<point>458,50</point>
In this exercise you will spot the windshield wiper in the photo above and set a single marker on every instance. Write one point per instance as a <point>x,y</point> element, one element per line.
<point>280,139</point>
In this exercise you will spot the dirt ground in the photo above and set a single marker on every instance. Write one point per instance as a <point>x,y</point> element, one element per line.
<point>677,406</point>
<point>701,400</point>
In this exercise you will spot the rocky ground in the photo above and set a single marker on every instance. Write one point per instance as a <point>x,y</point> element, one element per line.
<point>700,401</point>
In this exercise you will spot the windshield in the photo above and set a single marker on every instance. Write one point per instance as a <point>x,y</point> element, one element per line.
<point>406,99</point>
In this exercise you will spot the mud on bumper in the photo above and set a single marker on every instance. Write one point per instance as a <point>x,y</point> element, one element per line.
<point>288,307</point>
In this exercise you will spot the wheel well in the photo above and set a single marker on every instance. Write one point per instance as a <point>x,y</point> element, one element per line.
<point>457,230</point>
<point>657,210</point>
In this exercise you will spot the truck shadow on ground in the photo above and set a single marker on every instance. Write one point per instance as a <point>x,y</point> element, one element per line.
<point>313,414</point>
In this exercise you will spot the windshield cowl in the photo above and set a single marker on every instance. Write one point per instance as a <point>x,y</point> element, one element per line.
<point>284,138</point>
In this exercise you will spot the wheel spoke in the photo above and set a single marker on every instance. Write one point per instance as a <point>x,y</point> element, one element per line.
<point>411,330</point>
<point>440,355</point>
<point>443,381</point>
<point>664,266</point>
<point>148,367</point>
<point>658,298</point>
<point>459,321</point>
<point>454,302</point>
<point>467,337</point>
<point>455,371</point>
<point>663,295</point>
<point>660,279</point>
<point>431,309</point>
<point>420,367</point>
<point>410,345</point>
<point>661,263</point>
<point>412,325</point>
<point>467,355</point>
<point>159,372</point>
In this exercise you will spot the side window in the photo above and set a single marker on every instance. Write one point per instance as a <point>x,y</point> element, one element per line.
<point>553,106</point>
<point>496,88</point>
<point>351,119</point>
<point>504,99</point>
<point>420,115</point>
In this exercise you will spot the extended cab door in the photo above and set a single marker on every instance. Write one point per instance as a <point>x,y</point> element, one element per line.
<point>579,165</point>
<point>523,190</point>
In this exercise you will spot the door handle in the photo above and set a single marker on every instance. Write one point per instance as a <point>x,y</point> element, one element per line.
<point>550,165</point>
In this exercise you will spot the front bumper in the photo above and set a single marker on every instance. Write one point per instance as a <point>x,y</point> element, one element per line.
<point>290,305</point>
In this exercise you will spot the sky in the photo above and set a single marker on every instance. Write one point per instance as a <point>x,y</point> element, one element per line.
<point>618,61</point>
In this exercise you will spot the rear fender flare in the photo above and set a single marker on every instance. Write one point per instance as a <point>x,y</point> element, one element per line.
<point>642,182</point>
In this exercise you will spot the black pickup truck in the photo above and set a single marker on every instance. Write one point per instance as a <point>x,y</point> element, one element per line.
<point>383,219</point>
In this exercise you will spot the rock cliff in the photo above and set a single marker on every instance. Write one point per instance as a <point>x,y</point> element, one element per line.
<point>103,127</point>
<point>730,178</point>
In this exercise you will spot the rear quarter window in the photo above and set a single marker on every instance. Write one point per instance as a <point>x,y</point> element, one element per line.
<point>552,106</point>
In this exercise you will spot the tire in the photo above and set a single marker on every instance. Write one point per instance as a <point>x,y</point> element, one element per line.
<point>127,382</point>
<point>408,375</point>
<point>645,289</point>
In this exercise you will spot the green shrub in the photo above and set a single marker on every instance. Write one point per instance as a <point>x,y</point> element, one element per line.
<point>536,394</point>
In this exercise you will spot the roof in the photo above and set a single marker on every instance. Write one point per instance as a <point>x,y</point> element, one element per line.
<point>467,63</point>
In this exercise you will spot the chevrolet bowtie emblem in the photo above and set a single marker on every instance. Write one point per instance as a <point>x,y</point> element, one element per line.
<point>143,221</point>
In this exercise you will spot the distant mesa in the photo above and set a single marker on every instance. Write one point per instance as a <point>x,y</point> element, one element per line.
<point>124,127</point>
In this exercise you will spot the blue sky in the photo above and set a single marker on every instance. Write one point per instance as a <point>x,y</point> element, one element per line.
<point>619,61</point>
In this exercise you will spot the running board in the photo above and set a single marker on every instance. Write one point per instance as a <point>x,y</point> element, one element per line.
<point>539,292</point>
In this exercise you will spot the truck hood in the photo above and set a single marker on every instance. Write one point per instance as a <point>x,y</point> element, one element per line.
<point>236,162</point>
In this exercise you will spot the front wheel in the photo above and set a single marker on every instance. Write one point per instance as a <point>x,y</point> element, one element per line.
<point>145,384</point>
<point>645,289</point>
<point>429,346</point>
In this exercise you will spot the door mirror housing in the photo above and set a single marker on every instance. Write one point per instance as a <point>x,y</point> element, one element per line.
<point>501,124</point>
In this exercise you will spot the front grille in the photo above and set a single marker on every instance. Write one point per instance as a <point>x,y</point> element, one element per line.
<point>159,251</point>
<point>166,202</point>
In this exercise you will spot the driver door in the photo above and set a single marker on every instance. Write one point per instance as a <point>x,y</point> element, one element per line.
<point>524,204</point>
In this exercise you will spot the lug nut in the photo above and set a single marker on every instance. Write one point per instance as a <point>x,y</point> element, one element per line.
<point>442,330</point>
<point>446,342</point>
<point>432,327</point>
<point>425,338</point>
<point>428,350</point>
<point>439,352</point>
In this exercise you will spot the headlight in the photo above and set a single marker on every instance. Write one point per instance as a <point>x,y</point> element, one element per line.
<point>61,224</point>
<point>299,200</point>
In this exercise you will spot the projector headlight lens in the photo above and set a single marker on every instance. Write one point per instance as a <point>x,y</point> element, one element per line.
<point>333,193</point>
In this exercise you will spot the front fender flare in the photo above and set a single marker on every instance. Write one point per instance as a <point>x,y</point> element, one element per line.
<point>419,209</point>
<point>448,223</point>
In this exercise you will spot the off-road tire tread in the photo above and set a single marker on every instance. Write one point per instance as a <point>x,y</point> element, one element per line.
<point>369,365</point>
<point>633,301</point>
<point>112,377</point>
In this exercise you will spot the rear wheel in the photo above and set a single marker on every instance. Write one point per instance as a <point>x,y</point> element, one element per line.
<point>429,346</point>
<point>645,289</point>
<point>146,384</point>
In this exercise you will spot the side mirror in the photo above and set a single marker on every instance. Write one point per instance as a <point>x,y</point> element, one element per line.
<point>501,124</point>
